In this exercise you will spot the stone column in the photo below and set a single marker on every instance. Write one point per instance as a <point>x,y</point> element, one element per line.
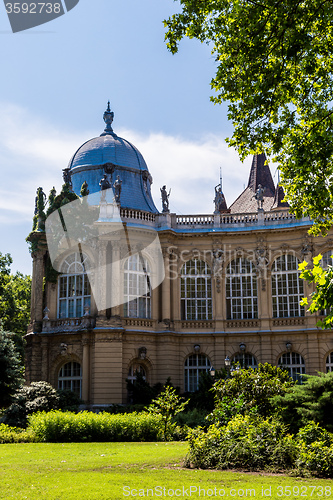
<point>166,287</point>
<point>116,282</point>
<point>85,368</point>
<point>37,290</point>
<point>44,359</point>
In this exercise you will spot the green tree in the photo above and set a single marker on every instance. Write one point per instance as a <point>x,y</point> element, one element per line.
<point>311,401</point>
<point>249,391</point>
<point>15,292</point>
<point>274,67</point>
<point>11,369</point>
<point>322,298</point>
<point>168,404</point>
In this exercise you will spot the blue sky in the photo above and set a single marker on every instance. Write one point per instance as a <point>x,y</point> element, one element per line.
<point>55,83</point>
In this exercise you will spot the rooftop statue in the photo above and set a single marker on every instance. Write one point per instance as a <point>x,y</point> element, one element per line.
<point>104,185</point>
<point>117,189</point>
<point>165,199</point>
<point>219,199</point>
<point>259,196</point>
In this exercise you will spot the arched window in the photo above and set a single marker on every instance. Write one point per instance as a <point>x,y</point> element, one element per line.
<point>196,291</point>
<point>73,286</point>
<point>241,290</point>
<point>246,360</point>
<point>70,377</point>
<point>137,288</point>
<point>195,365</point>
<point>287,287</point>
<point>133,371</point>
<point>327,259</point>
<point>293,363</point>
<point>329,363</point>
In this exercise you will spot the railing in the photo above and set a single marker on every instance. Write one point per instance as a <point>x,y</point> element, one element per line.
<point>146,323</point>
<point>127,213</point>
<point>197,324</point>
<point>68,324</point>
<point>189,220</point>
<point>234,219</point>
<point>288,321</point>
<point>243,323</point>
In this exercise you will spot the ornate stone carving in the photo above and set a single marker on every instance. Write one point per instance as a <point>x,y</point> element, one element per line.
<point>307,246</point>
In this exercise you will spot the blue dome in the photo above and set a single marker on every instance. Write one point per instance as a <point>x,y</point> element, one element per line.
<point>108,148</point>
<point>112,155</point>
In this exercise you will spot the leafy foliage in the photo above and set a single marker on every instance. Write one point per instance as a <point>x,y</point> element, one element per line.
<point>15,291</point>
<point>274,67</point>
<point>38,396</point>
<point>315,450</point>
<point>311,401</point>
<point>322,297</point>
<point>167,405</point>
<point>15,435</point>
<point>57,426</point>
<point>249,390</point>
<point>139,390</point>
<point>11,369</point>
<point>251,442</point>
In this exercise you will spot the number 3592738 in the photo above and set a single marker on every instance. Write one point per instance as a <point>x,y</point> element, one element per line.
<point>33,8</point>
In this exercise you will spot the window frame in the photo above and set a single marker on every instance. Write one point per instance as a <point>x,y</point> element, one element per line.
<point>75,302</point>
<point>191,380</point>
<point>137,304</point>
<point>196,307</point>
<point>72,378</point>
<point>292,366</point>
<point>242,305</point>
<point>285,296</point>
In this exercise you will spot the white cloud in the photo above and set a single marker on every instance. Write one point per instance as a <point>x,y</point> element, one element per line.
<point>33,153</point>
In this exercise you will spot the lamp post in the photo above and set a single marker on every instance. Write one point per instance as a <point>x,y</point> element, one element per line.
<point>212,371</point>
<point>227,363</point>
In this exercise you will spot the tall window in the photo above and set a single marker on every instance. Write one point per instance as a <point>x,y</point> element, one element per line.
<point>133,371</point>
<point>327,259</point>
<point>196,291</point>
<point>246,360</point>
<point>287,287</point>
<point>325,262</point>
<point>70,377</point>
<point>329,363</point>
<point>293,363</point>
<point>73,286</point>
<point>195,365</point>
<point>241,290</point>
<point>137,289</point>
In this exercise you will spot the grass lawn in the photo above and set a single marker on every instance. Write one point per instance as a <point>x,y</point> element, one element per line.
<point>117,471</point>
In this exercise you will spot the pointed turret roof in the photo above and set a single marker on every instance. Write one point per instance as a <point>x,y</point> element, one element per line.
<point>260,174</point>
<point>279,196</point>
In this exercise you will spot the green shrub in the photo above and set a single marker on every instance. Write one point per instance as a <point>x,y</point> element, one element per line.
<point>167,406</point>
<point>68,400</point>
<point>57,426</point>
<point>15,435</point>
<point>192,418</point>
<point>315,447</point>
<point>38,396</point>
<point>246,441</point>
<point>313,400</point>
<point>250,390</point>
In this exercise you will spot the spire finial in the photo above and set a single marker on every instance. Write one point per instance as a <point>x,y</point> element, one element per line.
<point>108,118</point>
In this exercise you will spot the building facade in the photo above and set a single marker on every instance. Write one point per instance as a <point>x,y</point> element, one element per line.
<point>230,286</point>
